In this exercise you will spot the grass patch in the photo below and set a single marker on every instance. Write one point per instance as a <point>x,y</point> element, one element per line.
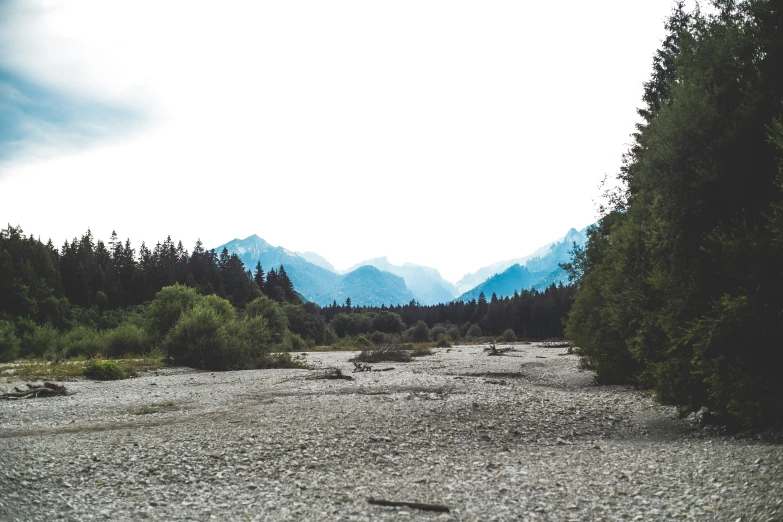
<point>422,351</point>
<point>78,367</point>
<point>155,407</point>
<point>284,360</point>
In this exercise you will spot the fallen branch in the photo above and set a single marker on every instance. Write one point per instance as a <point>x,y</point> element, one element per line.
<point>332,373</point>
<point>492,350</point>
<point>49,389</point>
<point>414,505</point>
<point>556,344</point>
<point>384,369</point>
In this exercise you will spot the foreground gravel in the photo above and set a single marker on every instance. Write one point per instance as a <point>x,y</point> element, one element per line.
<point>519,437</point>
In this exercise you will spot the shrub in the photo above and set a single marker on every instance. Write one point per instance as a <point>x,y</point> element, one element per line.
<point>294,341</point>
<point>361,341</point>
<point>40,342</point>
<point>473,332</point>
<point>378,338</point>
<point>330,336</point>
<point>82,341</point>
<point>125,339</point>
<point>104,370</point>
<point>454,333</point>
<point>9,343</point>
<point>169,304</point>
<point>421,351</point>
<point>420,332</point>
<point>388,352</point>
<point>508,336</point>
<point>437,330</point>
<point>274,315</point>
<point>443,341</point>
<point>388,322</point>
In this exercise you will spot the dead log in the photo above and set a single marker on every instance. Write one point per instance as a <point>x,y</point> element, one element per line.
<point>414,505</point>
<point>49,389</point>
<point>332,373</point>
<point>493,350</point>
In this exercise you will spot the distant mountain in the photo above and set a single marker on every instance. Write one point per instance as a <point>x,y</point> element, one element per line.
<point>542,259</point>
<point>318,284</point>
<point>537,270</point>
<point>367,286</point>
<point>426,283</point>
<point>318,260</point>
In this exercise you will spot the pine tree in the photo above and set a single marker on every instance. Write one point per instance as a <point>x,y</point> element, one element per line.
<point>259,276</point>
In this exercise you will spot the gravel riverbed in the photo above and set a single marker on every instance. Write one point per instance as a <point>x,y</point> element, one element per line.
<point>525,436</point>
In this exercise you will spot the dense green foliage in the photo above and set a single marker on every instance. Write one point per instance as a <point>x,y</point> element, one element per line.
<point>680,286</point>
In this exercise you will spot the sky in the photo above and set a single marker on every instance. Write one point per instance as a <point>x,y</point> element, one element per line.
<point>452,134</point>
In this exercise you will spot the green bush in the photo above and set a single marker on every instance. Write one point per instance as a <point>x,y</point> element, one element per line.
<point>9,343</point>
<point>508,336</point>
<point>295,342</point>
<point>103,370</point>
<point>126,339</point>
<point>378,337</point>
<point>169,304</point>
<point>474,332</point>
<point>274,315</point>
<point>420,333</point>
<point>42,341</point>
<point>362,341</point>
<point>212,337</point>
<point>82,341</point>
<point>330,336</point>
<point>437,331</point>
<point>454,333</point>
<point>443,341</point>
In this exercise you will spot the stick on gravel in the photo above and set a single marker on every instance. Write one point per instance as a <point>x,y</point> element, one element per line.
<point>49,389</point>
<point>414,505</point>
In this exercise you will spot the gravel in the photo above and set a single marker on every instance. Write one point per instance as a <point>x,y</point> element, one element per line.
<point>524,436</point>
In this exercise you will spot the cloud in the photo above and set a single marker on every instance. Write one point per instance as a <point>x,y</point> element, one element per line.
<point>43,114</point>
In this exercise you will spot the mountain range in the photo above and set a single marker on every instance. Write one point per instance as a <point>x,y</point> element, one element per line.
<point>537,270</point>
<point>378,281</point>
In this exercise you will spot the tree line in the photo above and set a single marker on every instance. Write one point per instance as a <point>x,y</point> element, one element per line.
<point>105,297</point>
<point>680,286</point>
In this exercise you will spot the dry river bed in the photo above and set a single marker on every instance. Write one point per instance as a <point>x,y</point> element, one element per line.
<point>519,437</point>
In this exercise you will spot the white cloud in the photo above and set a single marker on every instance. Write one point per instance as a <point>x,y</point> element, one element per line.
<point>453,134</point>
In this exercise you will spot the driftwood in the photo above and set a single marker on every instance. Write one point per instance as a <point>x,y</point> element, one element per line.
<point>359,367</point>
<point>414,505</point>
<point>332,373</point>
<point>556,344</point>
<point>493,350</point>
<point>49,389</point>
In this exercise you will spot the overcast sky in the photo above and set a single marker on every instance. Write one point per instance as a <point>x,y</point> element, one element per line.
<point>452,134</point>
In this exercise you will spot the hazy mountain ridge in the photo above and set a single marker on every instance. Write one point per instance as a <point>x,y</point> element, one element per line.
<point>377,281</point>
<point>318,284</point>
<point>539,270</point>
<point>426,283</point>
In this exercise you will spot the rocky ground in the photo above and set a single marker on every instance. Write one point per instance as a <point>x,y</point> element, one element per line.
<point>524,436</point>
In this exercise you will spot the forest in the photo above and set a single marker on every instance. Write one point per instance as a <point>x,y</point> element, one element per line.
<point>680,286</point>
<point>206,309</point>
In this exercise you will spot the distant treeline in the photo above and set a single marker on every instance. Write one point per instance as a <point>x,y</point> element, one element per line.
<point>91,297</point>
<point>680,287</point>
